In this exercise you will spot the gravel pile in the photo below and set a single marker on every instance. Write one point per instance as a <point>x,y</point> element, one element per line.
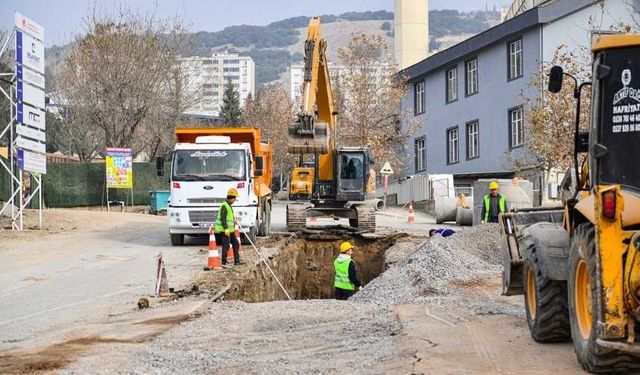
<point>299,337</point>
<point>469,254</point>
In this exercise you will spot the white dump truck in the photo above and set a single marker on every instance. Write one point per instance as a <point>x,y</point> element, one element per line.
<point>205,164</point>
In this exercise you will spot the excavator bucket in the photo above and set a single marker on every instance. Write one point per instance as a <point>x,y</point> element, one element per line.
<point>308,140</point>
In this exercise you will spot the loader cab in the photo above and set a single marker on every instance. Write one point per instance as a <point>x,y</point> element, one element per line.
<point>353,173</point>
<point>616,113</point>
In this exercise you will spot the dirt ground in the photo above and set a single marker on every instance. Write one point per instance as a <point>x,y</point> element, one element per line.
<point>51,326</point>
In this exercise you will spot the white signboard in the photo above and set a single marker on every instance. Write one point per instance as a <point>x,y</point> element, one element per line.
<point>29,94</point>
<point>29,76</point>
<point>30,52</point>
<point>32,162</point>
<point>30,145</point>
<point>30,116</point>
<point>25,24</point>
<point>31,133</point>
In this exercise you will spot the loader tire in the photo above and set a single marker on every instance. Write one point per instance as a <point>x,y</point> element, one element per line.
<point>545,301</point>
<point>585,299</point>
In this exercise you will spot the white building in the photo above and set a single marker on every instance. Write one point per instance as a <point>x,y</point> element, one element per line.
<point>207,77</point>
<point>296,77</point>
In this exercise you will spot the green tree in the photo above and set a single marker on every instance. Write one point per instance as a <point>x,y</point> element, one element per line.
<point>230,113</point>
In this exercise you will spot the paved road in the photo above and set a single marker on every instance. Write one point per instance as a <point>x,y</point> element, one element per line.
<point>55,281</point>
<point>393,218</point>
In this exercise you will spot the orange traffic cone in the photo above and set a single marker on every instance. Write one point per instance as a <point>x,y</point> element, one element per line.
<point>213,262</point>
<point>237,234</point>
<point>411,219</point>
<point>230,252</point>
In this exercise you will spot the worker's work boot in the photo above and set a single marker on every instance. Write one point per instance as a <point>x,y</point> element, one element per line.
<point>238,262</point>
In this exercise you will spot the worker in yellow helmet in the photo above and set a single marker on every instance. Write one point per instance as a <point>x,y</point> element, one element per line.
<point>224,229</point>
<point>346,282</point>
<point>494,204</point>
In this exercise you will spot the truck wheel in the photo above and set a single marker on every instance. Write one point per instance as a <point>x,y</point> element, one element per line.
<point>584,302</point>
<point>267,219</point>
<point>253,232</point>
<point>177,239</point>
<point>545,303</point>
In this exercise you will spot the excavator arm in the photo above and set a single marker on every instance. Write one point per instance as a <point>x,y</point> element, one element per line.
<point>314,129</point>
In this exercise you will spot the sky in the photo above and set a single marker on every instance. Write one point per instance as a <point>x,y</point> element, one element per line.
<point>63,19</point>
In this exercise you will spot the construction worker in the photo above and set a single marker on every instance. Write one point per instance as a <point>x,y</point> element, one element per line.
<point>224,229</point>
<point>346,281</point>
<point>494,204</point>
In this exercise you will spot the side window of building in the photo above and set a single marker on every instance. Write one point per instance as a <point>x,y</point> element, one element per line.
<point>516,127</point>
<point>515,59</point>
<point>471,77</point>
<point>452,145</point>
<point>473,139</point>
<point>418,95</point>
<point>421,154</point>
<point>452,84</point>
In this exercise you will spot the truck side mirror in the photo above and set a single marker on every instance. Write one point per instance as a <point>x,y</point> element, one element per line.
<point>555,79</point>
<point>259,165</point>
<point>160,166</point>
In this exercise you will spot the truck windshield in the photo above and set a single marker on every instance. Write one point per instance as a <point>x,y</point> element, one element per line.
<point>619,112</point>
<point>209,165</point>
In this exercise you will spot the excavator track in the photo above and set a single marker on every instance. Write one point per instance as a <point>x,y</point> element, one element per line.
<point>296,217</point>
<point>366,219</point>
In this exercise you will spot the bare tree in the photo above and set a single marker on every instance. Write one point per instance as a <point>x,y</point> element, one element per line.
<point>272,111</point>
<point>549,119</point>
<point>368,95</point>
<point>122,83</point>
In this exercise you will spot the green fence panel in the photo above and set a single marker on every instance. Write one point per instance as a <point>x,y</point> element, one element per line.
<point>5,183</point>
<point>83,184</point>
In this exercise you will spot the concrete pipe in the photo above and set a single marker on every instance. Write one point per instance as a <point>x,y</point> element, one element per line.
<point>464,216</point>
<point>377,204</point>
<point>445,209</point>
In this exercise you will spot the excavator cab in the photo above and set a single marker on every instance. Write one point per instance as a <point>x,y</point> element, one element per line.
<point>353,173</point>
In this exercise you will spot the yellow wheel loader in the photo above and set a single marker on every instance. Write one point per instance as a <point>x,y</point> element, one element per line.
<point>578,265</point>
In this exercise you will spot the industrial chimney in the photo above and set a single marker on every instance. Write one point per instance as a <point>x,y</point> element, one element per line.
<point>411,31</point>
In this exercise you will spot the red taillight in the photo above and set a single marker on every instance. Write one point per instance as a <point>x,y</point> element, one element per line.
<point>609,204</point>
<point>176,185</point>
<point>240,185</point>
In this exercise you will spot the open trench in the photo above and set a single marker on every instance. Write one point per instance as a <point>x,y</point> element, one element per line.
<point>305,269</point>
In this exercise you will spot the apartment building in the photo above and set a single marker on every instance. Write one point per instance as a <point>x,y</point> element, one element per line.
<point>468,100</point>
<point>207,77</point>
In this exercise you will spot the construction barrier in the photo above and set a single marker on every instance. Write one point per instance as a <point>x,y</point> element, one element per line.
<point>213,259</point>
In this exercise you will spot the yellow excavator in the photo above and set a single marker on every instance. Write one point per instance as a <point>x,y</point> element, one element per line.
<point>340,174</point>
<point>578,266</point>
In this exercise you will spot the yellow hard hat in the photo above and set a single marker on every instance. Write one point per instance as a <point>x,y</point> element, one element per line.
<point>345,246</point>
<point>232,193</point>
<point>493,185</point>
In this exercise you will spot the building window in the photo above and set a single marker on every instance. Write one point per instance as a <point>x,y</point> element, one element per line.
<point>471,77</point>
<point>421,154</point>
<point>419,97</point>
<point>452,145</point>
<point>515,59</point>
<point>473,139</point>
<point>516,127</point>
<point>452,84</point>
